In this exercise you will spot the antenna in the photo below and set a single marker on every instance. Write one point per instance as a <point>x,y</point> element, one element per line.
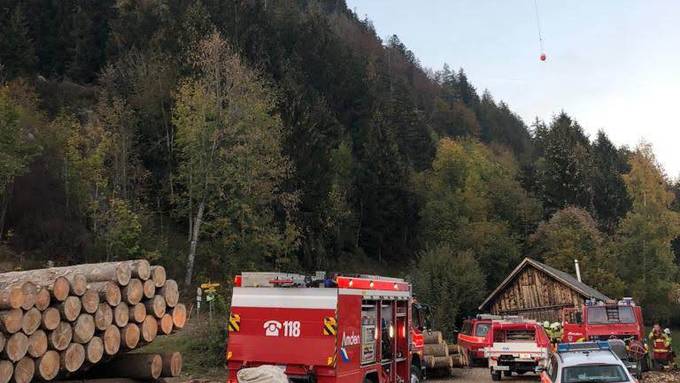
<point>578,270</point>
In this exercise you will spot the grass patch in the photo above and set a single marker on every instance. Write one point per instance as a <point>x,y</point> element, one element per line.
<point>202,345</point>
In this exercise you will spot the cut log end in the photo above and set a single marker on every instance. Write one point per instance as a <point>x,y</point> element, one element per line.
<point>156,306</point>
<point>73,357</point>
<point>60,338</point>
<point>61,289</point>
<point>70,308</point>
<point>138,313</point>
<point>149,329</point>
<point>90,301</point>
<point>133,292</point>
<point>50,318</point>
<point>43,299</point>
<point>123,273</point>
<point>108,292</point>
<point>121,315</point>
<point>47,366</point>
<point>141,269</point>
<point>11,320</point>
<point>11,298</point>
<point>179,316</point>
<point>24,370</point>
<point>30,292</point>
<point>130,336</point>
<point>94,351</point>
<point>78,284</point>
<point>165,324</point>
<point>37,344</point>
<point>16,347</point>
<point>111,339</point>
<point>6,371</point>
<point>158,275</point>
<point>171,292</point>
<point>149,289</point>
<point>172,364</point>
<point>103,317</point>
<point>83,329</point>
<point>31,321</point>
<point>137,366</point>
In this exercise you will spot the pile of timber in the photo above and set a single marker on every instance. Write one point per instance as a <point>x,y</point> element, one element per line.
<point>440,357</point>
<point>60,321</point>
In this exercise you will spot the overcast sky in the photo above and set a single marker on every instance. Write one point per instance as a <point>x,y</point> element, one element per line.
<point>612,64</point>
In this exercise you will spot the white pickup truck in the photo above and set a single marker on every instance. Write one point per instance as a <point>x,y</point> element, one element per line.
<point>518,347</point>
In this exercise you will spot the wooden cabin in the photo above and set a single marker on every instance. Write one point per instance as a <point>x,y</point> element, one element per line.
<point>537,291</point>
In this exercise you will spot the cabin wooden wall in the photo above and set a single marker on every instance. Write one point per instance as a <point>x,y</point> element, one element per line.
<point>535,295</point>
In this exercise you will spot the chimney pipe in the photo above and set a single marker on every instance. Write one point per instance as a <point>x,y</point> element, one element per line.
<point>578,270</point>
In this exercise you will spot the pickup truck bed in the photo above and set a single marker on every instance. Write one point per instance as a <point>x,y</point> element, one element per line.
<point>519,357</point>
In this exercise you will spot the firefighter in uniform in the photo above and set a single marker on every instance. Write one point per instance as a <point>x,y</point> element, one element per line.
<point>661,346</point>
<point>556,332</point>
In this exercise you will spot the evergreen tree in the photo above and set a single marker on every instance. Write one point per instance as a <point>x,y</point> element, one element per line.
<point>17,51</point>
<point>610,198</point>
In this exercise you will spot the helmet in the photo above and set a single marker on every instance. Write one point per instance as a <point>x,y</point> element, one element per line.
<point>667,331</point>
<point>555,326</point>
<point>546,324</point>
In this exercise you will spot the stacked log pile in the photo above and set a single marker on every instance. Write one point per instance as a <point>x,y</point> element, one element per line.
<point>59,321</point>
<point>440,357</point>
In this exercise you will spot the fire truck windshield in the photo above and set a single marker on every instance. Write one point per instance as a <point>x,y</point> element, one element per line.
<point>608,315</point>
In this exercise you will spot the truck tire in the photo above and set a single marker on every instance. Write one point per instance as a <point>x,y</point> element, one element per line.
<point>415,374</point>
<point>495,376</point>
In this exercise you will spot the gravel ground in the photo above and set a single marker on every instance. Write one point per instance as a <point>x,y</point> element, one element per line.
<point>475,375</point>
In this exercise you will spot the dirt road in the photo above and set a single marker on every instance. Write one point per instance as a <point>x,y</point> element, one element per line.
<point>475,375</point>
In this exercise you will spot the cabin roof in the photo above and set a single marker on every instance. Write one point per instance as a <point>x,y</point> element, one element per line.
<point>565,278</point>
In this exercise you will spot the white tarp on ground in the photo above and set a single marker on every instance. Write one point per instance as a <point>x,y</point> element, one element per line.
<point>262,374</point>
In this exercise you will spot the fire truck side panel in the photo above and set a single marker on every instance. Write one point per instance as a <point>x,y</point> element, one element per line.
<point>349,339</point>
<point>281,326</point>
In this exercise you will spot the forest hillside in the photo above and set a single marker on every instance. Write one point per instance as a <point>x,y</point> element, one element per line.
<point>215,136</point>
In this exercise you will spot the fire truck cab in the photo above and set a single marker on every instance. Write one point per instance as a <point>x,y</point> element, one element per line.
<point>317,329</point>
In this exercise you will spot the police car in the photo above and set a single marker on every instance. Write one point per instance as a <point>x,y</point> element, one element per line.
<point>586,362</point>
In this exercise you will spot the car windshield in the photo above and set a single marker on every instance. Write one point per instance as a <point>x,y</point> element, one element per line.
<point>482,329</point>
<point>607,315</point>
<point>609,373</point>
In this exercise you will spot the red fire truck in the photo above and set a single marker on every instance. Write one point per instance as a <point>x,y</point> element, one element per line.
<point>341,329</point>
<point>472,337</point>
<point>610,320</point>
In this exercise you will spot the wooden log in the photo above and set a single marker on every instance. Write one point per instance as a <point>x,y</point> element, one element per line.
<point>140,269</point>
<point>94,350</point>
<point>103,317</point>
<point>170,291</point>
<point>11,320</point>
<point>30,292</point>
<point>31,321</point>
<point>37,344</point>
<point>149,288</point>
<point>156,306</point>
<point>136,366</point>
<point>457,361</point>
<point>158,275</point>
<point>165,324</point>
<point>436,349</point>
<point>11,297</point>
<point>73,357</point>
<point>133,292</point>
<point>111,339</point>
<point>149,329</point>
<point>70,308</point>
<point>83,329</point>
<point>138,313</point>
<point>47,366</point>
<point>24,370</point>
<point>43,299</point>
<point>59,338</point>
<point>434,337</point>
<point>16,347</point>
<point>121,315</point>
<point>179,316</point>
<point>6,371</point>
<point>3,341</point>
<point>90,301</point>
<point>434,362</point>
<point>119,272</point>
<point>109,292</point>
<point>50,318</point>
<point>129,336</point>
<point>60,289</point>
<point>78,283</point>
<point>172,364</point>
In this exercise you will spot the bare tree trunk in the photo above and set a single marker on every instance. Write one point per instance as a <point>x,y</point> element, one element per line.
<point>194,242</point>
<point>3,208</point>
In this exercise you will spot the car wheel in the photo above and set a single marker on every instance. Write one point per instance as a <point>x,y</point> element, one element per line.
<point>495,375</point>
<point>415,374</point>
